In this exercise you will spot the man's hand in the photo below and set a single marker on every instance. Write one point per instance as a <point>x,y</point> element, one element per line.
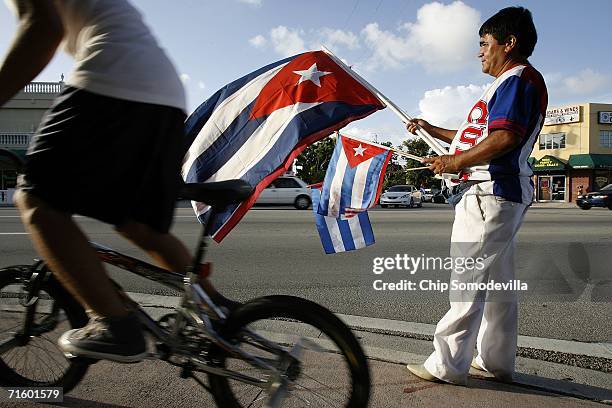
<point>443,164</point>
<point>445,135</point>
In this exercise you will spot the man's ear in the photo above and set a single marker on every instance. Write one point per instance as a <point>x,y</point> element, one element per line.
<point>510,43</point>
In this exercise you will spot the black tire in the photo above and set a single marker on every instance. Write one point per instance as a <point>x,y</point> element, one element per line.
<point>411,205</point>
<point>585,207</point>
<point>302,202</point>
<point>291,317</point>
<point>56,370</point>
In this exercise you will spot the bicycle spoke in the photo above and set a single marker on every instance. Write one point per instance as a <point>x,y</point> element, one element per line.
<point>321,397</point>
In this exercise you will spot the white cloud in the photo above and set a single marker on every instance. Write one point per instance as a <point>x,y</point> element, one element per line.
<point>444,38</point>
<point>258,41</point>
<point>586,85</point>
<point>335,37</point>
<point>286,41</point>
<point>585,82</point>
<point>448,107</point>
<point>185,78</point>
<point>201,85</point>
<point>255,3</point>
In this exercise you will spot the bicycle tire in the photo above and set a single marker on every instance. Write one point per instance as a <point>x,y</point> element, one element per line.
<point>52,295</point>
<point>302,311</point>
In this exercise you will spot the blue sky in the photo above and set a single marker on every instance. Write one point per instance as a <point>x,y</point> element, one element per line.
<point>420,54</point>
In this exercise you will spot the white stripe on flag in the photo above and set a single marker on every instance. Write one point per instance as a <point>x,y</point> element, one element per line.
<point>224,115</point>
<point>334,233</point>
<point>260,142</point>
<point>359,184</point>
<point>356,232</point>
<point>333,207</point>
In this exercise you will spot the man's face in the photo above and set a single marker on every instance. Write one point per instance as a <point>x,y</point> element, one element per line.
<point>492,55</point>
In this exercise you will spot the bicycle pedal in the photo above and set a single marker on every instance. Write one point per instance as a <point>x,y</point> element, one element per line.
<point>82,360</point>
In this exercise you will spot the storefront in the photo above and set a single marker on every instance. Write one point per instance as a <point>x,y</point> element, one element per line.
<point>591,171</point>
<point>550,179</point>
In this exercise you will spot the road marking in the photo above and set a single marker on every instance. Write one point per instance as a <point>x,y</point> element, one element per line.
<point>14,233</point>
<point>600,350</point>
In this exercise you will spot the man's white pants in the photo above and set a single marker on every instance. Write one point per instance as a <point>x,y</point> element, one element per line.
<point>485,227</point>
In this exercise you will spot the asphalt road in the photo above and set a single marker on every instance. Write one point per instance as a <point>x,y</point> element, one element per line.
<point>563,255</point>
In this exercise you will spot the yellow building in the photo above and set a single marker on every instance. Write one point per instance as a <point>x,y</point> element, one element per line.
<point>573,152</point>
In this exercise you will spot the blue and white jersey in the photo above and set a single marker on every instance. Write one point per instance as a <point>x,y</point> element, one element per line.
<point>515,101</point>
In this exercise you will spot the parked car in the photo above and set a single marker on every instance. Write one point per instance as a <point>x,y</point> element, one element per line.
<point>287,190</point>
<point>428,194</point>
<point>601,198</point>
<point>439,197</point>
<point>401,195</point>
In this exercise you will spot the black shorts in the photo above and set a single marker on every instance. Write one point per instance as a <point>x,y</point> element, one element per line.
<point>107,158</point>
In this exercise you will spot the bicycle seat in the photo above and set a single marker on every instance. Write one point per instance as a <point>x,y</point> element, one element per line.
<point>219,194</point>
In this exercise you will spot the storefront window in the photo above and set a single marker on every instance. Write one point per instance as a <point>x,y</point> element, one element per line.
<point>602,178</point>
<point>551,188</point>
<point>605,138</point>
<point>552,141</point>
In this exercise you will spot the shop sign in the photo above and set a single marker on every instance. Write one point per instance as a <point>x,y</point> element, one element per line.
<point>559,116</point>
<point>548,163</point>
<point>605,117</point>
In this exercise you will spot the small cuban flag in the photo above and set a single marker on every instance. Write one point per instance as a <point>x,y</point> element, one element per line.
<point>342,234</point>
<point>354,177</point>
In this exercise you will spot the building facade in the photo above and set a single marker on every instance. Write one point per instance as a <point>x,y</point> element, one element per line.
<point>19,119</point>
<point>574,152</point>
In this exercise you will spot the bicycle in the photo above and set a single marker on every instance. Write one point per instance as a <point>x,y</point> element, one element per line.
<point>256,355</point>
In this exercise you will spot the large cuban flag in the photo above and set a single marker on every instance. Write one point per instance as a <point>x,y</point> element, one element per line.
<point>253,128</point>
<point>342,234</point>
<point>354,177</point>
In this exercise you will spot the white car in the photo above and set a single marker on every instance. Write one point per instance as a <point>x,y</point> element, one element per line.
<point>287,190</point>
<point>401,195</point>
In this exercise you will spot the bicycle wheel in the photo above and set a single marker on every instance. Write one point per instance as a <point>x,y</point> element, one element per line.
<point>331,370</point>
<point>35,360</point>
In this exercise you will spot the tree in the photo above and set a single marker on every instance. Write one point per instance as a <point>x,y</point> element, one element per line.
<point>420,148</point>
<point>315,159</point>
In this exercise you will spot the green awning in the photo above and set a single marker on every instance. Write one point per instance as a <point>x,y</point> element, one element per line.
<point>548,163</point>
<point>591,161</point>
<point>531,161</point>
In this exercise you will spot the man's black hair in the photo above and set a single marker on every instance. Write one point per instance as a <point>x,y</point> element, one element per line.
<point>515,21</point>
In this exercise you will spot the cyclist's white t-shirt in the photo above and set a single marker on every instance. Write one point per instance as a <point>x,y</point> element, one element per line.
<point>116,54</point>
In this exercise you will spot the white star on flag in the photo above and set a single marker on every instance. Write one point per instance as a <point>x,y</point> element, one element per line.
<point>359,150</point>
<point>311,74</point>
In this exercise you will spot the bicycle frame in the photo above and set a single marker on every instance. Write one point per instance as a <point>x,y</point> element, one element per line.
<point>197,308</point>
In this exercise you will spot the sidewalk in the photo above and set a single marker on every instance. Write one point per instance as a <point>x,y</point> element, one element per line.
<point>389,345</point>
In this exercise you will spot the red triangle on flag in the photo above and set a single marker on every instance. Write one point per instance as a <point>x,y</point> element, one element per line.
<point>357,152</point>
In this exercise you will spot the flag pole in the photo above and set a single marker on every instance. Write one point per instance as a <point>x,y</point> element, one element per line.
<point>422,133</point>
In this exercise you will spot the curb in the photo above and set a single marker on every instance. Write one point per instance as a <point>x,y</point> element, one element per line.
<point>422,330</point>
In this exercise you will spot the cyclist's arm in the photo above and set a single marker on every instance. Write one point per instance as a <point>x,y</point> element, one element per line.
<point>39,33</point>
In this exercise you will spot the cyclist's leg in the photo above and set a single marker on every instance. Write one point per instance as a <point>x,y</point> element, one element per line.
<point>169,253</point>
<point>114,333</point>
<point>166,250</point>
<point>66,250</point>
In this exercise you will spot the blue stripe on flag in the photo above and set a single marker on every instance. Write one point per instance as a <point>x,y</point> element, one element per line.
<point>372,178</point>
<point>366,228</point>
<point>347,235</point>
<point>346,191</point>
<point>329,176</point>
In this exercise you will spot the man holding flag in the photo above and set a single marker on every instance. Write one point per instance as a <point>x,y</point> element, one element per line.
<point>491,196</point>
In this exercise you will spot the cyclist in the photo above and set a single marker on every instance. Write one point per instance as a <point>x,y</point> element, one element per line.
<point>109,148</point>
